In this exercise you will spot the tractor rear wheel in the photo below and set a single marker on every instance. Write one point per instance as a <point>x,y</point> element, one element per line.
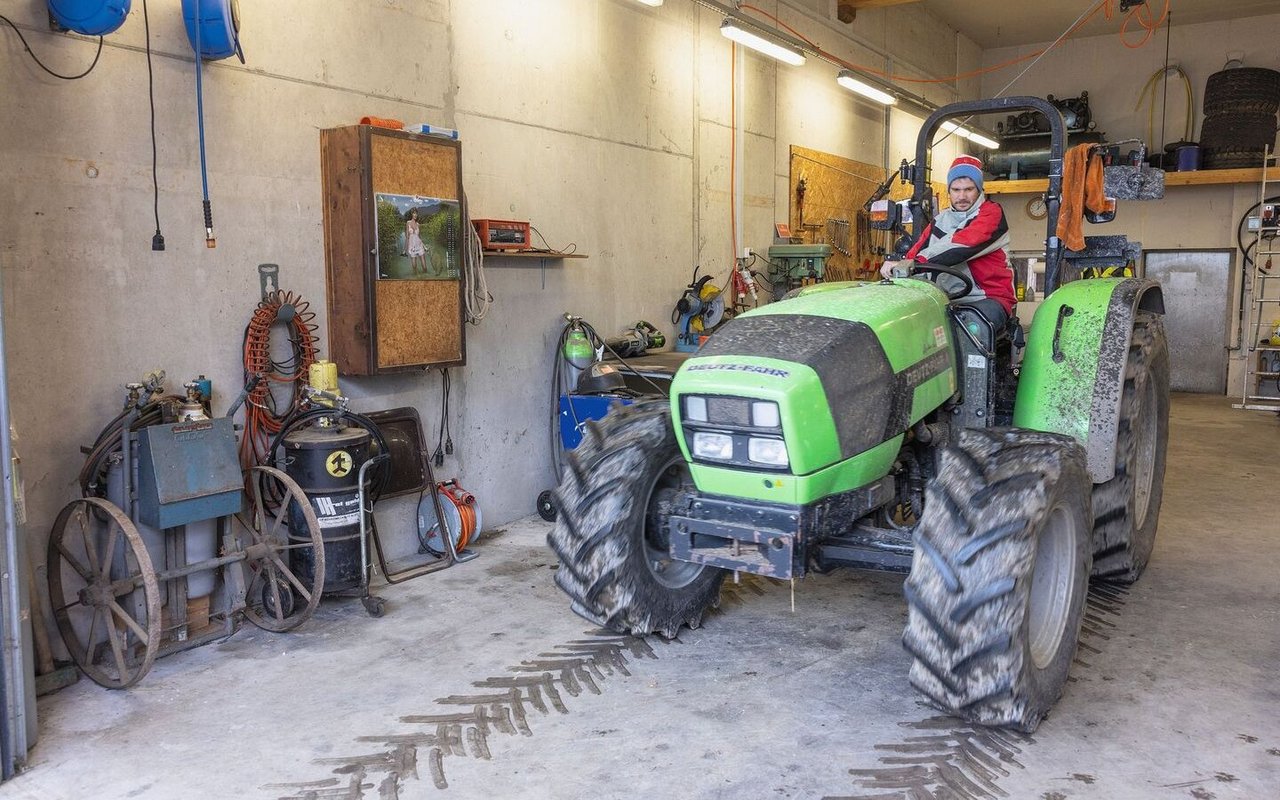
<point>613,504</point>
<point>1127,508</point>
<point>999,577</point>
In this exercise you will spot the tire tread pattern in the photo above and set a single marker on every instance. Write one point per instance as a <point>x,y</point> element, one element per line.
<point>968,588</point>
<point>1120,550</point>
<point>598,536</point>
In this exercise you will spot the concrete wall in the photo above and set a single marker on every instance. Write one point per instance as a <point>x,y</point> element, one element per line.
<point>1190,217</point>
<point>605,122</point>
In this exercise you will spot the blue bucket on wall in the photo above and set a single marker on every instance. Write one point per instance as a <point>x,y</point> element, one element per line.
<point>90,17</point>
<point>219,28</point>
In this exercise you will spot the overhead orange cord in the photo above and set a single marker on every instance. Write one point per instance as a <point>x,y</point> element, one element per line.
<point>733,152</point>
<point>1107,6</point>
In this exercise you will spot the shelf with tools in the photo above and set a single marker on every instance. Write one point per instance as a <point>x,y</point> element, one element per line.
<point>1205,177</point>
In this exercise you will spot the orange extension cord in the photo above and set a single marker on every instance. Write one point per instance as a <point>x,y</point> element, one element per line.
<point>261,421</point>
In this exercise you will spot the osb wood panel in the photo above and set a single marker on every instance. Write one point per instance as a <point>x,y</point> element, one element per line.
<point>835,190</point>
<point>418,165</point>
<point>418,323</point>
<point>344,250</point>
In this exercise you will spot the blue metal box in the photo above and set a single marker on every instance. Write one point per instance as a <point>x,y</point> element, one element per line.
<point>576,409</point>
<point>187,472</point>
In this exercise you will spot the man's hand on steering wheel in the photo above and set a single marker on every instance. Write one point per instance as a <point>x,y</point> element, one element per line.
<point>897,269</point>
<point>955,272</point>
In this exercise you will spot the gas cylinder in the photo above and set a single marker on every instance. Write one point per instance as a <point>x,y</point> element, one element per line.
<point>325,461</point>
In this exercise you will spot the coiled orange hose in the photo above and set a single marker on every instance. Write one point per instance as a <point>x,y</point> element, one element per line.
<point>261,419</point>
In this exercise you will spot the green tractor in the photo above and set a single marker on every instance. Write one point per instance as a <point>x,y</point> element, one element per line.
<point>878,425</point>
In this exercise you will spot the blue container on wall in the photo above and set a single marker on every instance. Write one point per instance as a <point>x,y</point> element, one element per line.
<point>219,28</point>
<point>90,17</point>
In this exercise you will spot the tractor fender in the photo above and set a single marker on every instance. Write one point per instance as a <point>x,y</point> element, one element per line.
<point>1073,368</point>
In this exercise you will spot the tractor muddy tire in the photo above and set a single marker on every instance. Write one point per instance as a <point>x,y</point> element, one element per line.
<point>999,577</point>
<point>614,502</point>
<point>1127,508</point>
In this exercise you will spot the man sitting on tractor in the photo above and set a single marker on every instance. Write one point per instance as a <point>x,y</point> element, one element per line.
<point>972,236</point>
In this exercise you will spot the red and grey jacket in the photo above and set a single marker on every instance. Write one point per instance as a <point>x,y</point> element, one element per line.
<point>976,239</point>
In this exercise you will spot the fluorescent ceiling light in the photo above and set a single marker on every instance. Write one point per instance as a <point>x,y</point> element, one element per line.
<point>847,80</point>
<point>732,29</point>
<point>652,2</point>
<point>983,141</point>
<point>964,133</point>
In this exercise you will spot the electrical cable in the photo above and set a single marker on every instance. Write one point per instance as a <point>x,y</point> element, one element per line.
<point>733,154</point>
<point>567,250</point>
<point>1106,6</point>
<point>444,441</point>
<point>93,472</point>
<point>40,63</point>
<point>1247,262</point>
<point>157,240</point>
<point>262,420</point>
<point>1164,103</point>
<point>477,298</point>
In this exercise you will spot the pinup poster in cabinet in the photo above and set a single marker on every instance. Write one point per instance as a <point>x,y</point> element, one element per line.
<point>418,237</point>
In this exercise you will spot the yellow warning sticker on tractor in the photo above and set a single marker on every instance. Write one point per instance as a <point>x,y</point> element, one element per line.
<point>338,463</point>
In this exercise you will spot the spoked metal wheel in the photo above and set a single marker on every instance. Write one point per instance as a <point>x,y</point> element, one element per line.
<point>277,597</point>
<point>105,596</point>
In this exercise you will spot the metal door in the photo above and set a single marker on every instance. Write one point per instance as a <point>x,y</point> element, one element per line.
<point>1197,315</point>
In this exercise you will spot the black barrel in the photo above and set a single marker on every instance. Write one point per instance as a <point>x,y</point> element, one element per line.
<point>325,461</point>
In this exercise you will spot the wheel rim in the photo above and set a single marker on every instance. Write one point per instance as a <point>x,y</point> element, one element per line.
<point>1145,454</point>
<point>1052,585</point>
<point>112,626</point>
<point>268,542</point>
<point>667,571</point>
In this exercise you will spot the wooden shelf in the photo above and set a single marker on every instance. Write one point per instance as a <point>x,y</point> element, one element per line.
<point>522,254</point>
<point>1204,177</point>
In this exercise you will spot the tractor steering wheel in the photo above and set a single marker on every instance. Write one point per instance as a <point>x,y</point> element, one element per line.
<point>939,269</point>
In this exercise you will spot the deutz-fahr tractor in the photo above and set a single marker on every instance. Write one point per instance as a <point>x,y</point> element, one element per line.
<point>883,425</point>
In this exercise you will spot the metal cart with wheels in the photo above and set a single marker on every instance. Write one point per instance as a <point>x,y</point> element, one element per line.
<point>179,547</point>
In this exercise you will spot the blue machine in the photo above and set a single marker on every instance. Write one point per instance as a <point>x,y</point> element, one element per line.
<point>576,409</point>
<point>219,34</point>
<point>90,17</point>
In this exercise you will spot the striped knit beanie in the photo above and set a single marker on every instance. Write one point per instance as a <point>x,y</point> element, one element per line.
<point>966,167</point>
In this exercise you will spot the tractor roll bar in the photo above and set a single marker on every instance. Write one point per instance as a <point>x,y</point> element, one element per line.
<point>922,197</point>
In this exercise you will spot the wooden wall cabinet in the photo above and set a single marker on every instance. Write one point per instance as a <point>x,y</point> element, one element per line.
<point>384,318</point>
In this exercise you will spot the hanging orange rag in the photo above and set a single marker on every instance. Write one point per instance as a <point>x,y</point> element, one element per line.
<point>1081,188</point>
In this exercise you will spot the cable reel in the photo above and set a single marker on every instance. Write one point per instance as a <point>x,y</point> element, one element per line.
<point>90,17</point>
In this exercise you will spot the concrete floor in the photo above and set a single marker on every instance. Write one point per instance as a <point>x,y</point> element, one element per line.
<point>480,680</point>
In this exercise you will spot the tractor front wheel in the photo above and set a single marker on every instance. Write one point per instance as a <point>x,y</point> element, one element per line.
<point>611,536</point>
<point>1127,507</point>
<point>999,577</point>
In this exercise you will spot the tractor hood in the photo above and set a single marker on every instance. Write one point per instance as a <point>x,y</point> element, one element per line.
<point>837,373</point>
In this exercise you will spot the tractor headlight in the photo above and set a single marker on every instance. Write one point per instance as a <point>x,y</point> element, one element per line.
<point>695,409</point>
<point>718,446</point>
<point>764,414</point>
<point>767,451</point>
